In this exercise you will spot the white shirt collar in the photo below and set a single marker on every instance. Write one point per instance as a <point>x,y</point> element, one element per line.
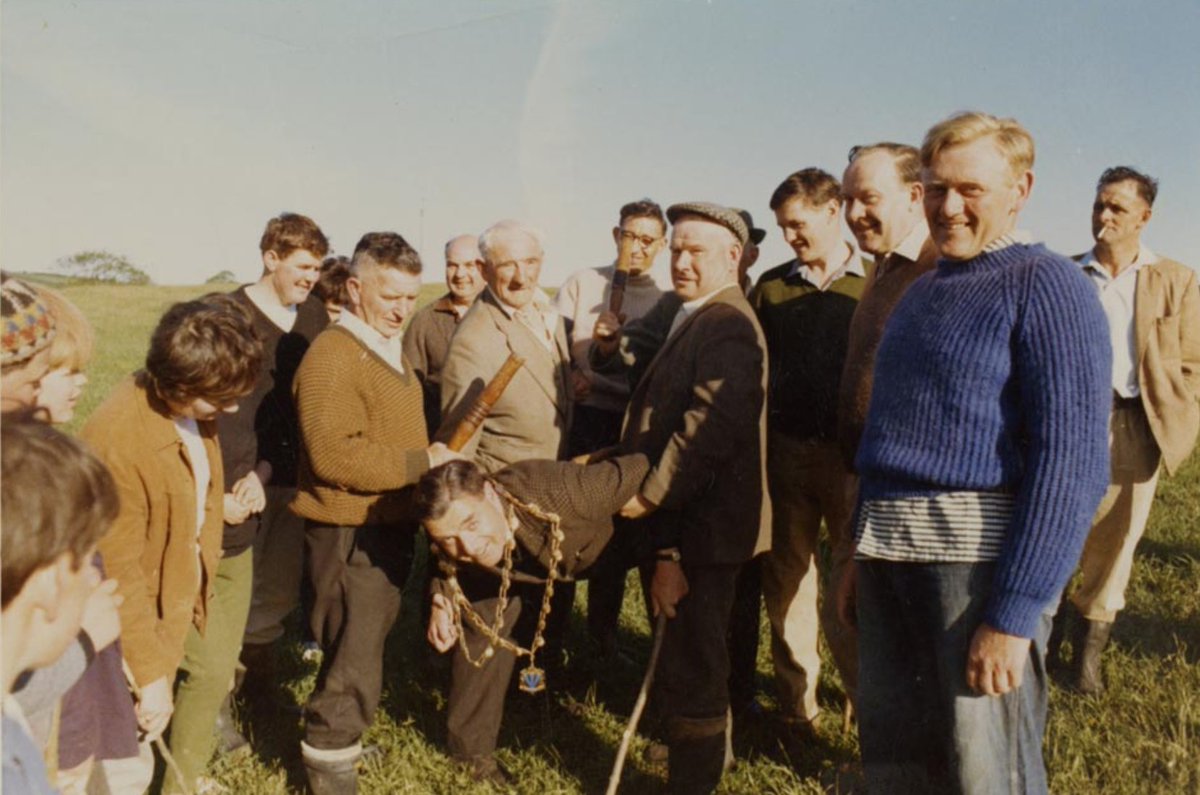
<point>1144,257</point>
<point>388,348</point>
<point>851,265</point>
<point>689,308</point>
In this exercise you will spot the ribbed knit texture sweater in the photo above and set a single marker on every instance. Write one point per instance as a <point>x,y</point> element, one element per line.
<point>363,428</point>
<point>993,375</point>
<point>807,331</point>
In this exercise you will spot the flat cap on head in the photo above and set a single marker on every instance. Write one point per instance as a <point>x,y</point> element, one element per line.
<point>723,216</point>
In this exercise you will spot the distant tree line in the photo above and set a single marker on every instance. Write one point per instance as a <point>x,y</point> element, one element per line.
<point>102,266</point>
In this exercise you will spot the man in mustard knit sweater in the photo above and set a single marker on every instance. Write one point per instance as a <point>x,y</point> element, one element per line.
<point>362,420</point>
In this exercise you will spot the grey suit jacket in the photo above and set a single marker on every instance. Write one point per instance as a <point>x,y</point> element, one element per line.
<point>697,413</point>
<point>533,416</point>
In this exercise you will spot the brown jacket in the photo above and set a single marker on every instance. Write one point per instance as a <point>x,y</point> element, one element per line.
<point>150,550</point>
<point>697,413</point>
<point>885,287</point>
<point>1166,314</point>
<point>532,417</point>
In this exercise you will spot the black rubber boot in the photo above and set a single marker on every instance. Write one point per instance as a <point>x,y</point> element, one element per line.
<point>1088,640</point>
<point>331,776</point>
<point>697,755</point>
<point>1058,633</point>
<point>230,741</point>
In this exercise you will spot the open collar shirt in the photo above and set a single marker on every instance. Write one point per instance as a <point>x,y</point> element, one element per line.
<point>1117,294</point>
<point>390,349</point>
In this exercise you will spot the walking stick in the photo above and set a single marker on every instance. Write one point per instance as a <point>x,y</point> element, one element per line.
<point>158,741</point>
<point>614,780</point>
<point>483,404</point>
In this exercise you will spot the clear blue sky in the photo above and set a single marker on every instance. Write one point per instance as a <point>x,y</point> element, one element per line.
<point>169,131</point>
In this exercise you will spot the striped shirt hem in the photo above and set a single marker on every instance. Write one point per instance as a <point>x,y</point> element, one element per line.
<point>952,527</point>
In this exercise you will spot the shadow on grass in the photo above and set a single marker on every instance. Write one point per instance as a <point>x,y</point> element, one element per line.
<point>1157,635</point>
<point>1171,553</point>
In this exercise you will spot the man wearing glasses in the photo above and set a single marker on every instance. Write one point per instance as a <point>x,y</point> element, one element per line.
<point>601,399</point>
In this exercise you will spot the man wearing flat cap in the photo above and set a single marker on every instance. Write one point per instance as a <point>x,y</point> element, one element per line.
<point>696,412</point>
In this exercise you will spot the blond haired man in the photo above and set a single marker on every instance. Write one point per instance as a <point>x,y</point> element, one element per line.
<point>977,488</point>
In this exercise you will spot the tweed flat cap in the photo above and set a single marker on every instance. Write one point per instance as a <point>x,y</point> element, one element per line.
<point>756,234</point>
<point>28,325</point>
<point>713,212</point>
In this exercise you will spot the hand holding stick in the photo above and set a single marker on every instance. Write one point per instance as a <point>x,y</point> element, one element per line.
<point>483,404</point>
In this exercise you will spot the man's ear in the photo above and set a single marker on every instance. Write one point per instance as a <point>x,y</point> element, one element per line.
<point>42,588</point>
<point>617,235</point>
<point>354,290</point>
<point>1024,186</point>
<point>916,193</point>
<point>270,261</point>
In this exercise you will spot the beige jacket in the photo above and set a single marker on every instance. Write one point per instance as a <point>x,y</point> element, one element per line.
<point>533,416</point>
<point>1167,331</point>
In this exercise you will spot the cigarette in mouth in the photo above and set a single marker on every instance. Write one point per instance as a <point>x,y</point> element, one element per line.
<point>1100,234</point>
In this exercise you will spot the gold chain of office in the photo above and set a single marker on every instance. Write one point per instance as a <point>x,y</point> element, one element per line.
<point>533,679</point>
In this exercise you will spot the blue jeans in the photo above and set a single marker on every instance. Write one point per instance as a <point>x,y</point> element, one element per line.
<point>922,730</point>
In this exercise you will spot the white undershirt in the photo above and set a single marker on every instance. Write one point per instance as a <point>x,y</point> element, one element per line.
<point>390,349</point>
<point>689,308</point>
<point>1117,296</point>
<point>189,434</point>
<point>277,313</point>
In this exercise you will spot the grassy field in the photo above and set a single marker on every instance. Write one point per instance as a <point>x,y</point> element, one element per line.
<point>1142,736</point>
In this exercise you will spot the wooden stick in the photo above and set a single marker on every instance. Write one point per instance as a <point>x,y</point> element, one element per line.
<point>479,410</point>
<point>158,741</point>
<point>616,295</point>
<point>483,404</point>
<point>614,780</point>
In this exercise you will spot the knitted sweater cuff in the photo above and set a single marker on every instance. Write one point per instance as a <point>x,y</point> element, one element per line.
<point>1015,614</point>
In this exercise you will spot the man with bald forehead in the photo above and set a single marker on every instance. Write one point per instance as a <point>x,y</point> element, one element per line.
<point>427,338</point>
<point>976,488</point>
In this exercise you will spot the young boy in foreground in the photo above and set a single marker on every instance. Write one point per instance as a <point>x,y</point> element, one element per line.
<point>57,501</point>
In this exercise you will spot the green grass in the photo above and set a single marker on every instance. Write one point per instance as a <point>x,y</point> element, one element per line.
<point>1142,736</point>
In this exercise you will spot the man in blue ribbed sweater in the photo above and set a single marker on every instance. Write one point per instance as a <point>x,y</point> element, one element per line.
<point>983,459</point>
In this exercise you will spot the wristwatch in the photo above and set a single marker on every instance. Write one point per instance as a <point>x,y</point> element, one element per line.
<point>671,554</point>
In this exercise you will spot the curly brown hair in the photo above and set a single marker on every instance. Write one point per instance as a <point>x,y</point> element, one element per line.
<point>205,349</point>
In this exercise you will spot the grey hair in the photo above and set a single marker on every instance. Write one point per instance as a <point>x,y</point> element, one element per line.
<point>487,240</point>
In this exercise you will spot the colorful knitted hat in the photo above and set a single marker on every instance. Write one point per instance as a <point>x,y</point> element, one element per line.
<point>28,325</point>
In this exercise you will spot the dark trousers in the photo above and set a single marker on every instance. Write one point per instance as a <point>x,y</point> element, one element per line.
<point>594,429</point>
<point>692,678</point>
<point>357,575</point>
<point>921,728</point>
<point>477,693</point>
<point>744,635</point>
